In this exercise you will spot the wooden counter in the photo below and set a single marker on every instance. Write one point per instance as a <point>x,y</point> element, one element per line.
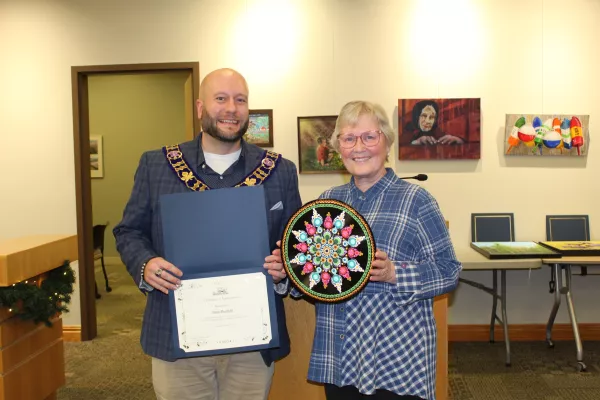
<point>31,355</point>
<point>29,256</point>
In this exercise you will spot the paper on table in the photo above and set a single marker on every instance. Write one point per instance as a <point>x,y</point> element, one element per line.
<point>223,312</point>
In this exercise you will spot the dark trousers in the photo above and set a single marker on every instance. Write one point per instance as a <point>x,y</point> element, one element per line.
<point>333,392</point>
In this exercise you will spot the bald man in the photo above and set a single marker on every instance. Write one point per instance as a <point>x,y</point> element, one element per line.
<point>217,158</point>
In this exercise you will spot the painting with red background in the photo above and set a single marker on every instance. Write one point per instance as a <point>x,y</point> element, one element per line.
<point>439,129</point>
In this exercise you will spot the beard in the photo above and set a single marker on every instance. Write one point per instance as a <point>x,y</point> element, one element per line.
<point>209,126</point>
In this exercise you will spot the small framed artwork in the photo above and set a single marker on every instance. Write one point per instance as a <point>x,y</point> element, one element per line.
<point>314,151</point>
<point>509,250</point>
<point>439,129</point>
<point>563,135</point>
<point>576,248</point>
<point>260,128</point>
<point>96,157</point>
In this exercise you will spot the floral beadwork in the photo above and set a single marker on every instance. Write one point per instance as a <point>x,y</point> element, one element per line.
<point>327,250</point>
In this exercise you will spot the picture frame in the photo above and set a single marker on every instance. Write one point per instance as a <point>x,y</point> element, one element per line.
<point>96,157</point>
<point>513,250</point>
<point>315,154</point>
<point>260,128</point>
<point>439,129</point>
<point>576,248</point>
<point>545,135</point>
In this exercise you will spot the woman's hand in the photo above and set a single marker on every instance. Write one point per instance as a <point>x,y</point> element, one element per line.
<point>382,269</point>
<point>274,264</point>
<point>424,140</point>
<point>449,139</point>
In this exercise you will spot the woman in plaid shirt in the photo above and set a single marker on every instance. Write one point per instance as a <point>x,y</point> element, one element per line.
<point>381,344</point>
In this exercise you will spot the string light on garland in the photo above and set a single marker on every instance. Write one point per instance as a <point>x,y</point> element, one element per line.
<point>36,302</point>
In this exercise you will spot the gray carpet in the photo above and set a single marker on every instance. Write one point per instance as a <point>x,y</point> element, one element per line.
<point>113,366</point>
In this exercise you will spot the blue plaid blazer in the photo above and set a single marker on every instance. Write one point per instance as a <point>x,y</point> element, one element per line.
<point>139,234</point>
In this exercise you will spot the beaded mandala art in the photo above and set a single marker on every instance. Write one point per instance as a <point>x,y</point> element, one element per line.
<point>327,250</point>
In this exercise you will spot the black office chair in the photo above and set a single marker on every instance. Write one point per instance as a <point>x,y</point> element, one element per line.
<point>564,228</point>
<point>494,227</point>
<point>98,235</point>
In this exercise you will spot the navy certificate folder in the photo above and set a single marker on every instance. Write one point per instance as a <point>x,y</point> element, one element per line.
<point>213,233</point>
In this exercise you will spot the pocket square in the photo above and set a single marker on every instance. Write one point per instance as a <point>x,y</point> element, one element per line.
<point>278,206</point>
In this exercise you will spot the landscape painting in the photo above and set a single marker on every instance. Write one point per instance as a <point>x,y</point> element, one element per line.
<point>506,250</point>
<point>314,151</point>
<point>260,128</point>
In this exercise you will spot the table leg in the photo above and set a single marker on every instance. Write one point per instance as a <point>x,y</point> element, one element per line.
<point>493,291</point>
<point>567,291</point>
<point>494,304</point>
<point>504,317</point>
<point>558,285</point>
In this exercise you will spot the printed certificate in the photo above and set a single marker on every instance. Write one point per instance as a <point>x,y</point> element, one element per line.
<point>223,312</point>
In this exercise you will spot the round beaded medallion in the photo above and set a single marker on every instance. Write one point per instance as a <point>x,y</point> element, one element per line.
<point>327,250</point>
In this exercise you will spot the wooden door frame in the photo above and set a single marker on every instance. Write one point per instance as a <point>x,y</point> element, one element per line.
<point>83,188</point>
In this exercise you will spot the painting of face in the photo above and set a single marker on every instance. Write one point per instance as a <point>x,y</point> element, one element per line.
<point>427,118</point>
<point>439,129</point>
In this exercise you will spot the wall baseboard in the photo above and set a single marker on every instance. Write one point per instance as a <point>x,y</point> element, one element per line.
<point>72,333</point>
<point>521,332</point>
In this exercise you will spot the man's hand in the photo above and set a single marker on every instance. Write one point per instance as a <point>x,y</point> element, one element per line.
<point>382,269</point>
<point>162,275</point>
<point>274,265</point>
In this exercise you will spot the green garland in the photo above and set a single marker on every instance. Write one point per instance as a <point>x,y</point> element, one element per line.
<point>42,303</point>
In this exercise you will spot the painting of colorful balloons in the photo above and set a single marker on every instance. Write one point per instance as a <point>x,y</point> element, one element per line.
<point>546,135</point>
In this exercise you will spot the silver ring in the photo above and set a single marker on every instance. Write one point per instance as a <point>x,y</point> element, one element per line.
<point>158,272</point>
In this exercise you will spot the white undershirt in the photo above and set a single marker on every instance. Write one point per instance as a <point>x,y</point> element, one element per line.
<point>220,162</point>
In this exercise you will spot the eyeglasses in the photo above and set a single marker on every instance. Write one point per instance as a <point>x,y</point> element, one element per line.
<point>369,139</point>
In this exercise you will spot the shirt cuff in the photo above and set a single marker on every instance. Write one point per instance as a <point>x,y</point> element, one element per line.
<point>408,282</point>
<point>295,293</point>
<point>144,286</point>
<point>282,287</point>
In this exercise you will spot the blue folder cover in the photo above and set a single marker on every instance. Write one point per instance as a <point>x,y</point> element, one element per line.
<point>217,232</point>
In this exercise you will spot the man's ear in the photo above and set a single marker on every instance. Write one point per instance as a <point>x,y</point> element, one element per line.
<point>199,106</point>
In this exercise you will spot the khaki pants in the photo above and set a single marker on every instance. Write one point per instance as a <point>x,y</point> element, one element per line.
<point>241,376</point>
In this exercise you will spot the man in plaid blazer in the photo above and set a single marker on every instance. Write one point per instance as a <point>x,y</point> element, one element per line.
<point>217,158</point>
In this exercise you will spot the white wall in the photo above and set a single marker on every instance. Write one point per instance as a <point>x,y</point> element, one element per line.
<point>309,57</point>
<point>73,316</point>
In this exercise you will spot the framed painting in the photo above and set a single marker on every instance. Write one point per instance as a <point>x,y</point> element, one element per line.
<point>439,129</point>
<point>546,135</point>
<point>96,157</point>
<point>575,248</point>
<point>315,154</point>
<point>260,128</point>
<point>509,250</point>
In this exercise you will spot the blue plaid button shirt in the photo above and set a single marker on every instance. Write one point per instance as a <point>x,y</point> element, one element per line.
<point>385,337</point>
